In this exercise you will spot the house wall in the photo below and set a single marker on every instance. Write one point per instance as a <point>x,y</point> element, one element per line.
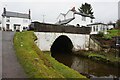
<point>60,18</point>
<point>3,23</point>
<point>98,28</point>
<point>110,26</point>
<point>46,39</point>
<point>12,20</point>
<point>78,20</point>
<point>70,14</point>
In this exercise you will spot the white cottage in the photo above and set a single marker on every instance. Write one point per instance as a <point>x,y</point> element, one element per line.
<point>72,17</point>
<point>98,27</point>
<point>111,25</point>
<point>14,21</point>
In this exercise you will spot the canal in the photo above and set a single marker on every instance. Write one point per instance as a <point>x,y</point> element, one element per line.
<point>87,67</point>
<point>61,50</point>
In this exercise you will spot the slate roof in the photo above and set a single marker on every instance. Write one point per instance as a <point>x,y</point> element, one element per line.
<point>15,14</point>
<point>65,21</point>
<point>96,24</point>
<point>82,14</point>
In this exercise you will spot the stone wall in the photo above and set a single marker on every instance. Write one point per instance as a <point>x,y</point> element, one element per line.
<point>94,45</point>
<point>46,39</point>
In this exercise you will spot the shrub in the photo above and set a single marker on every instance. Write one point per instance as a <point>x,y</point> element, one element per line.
<point>100,34</point>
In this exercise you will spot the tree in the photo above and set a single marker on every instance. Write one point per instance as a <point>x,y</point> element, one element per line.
<point>86,9</point>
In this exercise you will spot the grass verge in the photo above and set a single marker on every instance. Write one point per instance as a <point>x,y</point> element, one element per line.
<point>37,64</point>
<point>100,57</point>
<point>112,33</point>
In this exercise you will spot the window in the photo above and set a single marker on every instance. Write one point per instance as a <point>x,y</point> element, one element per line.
<point>7,26</point>
<point>17,27</point>
<point>103,28</point>
<point>14,27</point>
<point>93,28</point>
<point>8,19</point>
<point>83,18</point>
<point>96,28</point>
<point>91,21</point>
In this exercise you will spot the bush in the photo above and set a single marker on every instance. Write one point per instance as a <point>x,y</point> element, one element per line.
<point>100,34</point>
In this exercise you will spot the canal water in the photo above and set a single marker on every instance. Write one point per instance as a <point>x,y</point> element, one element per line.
<point>88,67</point>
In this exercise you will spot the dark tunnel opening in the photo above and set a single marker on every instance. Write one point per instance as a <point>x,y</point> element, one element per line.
<point>62,45</point>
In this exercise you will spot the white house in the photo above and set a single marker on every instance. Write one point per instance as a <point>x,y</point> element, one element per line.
<point>72,17</point>
<point>15,21</point>
<point>100,27</point>
<point>111,26</point>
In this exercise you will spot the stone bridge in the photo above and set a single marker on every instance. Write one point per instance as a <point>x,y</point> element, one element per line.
<point>61,38</point>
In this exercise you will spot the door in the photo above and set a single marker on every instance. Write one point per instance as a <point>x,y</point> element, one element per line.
<point>16,27</point>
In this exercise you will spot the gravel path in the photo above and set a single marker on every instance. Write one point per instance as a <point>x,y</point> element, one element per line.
<point>10,65</point>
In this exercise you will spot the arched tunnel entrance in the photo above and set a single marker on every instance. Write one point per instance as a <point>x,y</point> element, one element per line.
<point>62,45</point>
<point>61,50</point>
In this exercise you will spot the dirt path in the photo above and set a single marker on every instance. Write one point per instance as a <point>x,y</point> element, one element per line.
<point>10,65</point>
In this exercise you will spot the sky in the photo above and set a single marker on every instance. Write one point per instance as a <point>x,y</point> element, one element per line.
<point>104,10</point>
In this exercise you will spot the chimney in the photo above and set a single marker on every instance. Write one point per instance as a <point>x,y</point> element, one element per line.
<point>4,11</point>
<point>29,14</point>
<point>73,9</point>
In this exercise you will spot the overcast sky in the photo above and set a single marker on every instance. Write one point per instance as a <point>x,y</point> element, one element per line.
<point>104,10</point>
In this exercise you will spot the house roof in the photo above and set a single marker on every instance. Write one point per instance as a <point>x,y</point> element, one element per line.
<point>15,14</point>
<point>82,14</point>
<point>96,24</point>
<point>79,13</point>
<point>65,21</point>
<point>70,19</point>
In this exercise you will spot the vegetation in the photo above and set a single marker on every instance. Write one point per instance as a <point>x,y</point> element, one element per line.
<point>106,40</point>
<point>100,56</point>
<point>86,9</point>
<point>36,63</point>
<point>112,33</point>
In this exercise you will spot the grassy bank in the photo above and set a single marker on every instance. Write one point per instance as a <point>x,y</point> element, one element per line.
<point>112,33</point>
<point>35,63</point>
<point>100,57</point>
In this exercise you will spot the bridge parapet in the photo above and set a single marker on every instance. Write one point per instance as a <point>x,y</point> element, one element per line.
<point>44,27</point>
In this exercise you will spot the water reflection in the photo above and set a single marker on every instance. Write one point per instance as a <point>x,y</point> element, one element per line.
<point>66,59</point>
<point>87,66</point>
